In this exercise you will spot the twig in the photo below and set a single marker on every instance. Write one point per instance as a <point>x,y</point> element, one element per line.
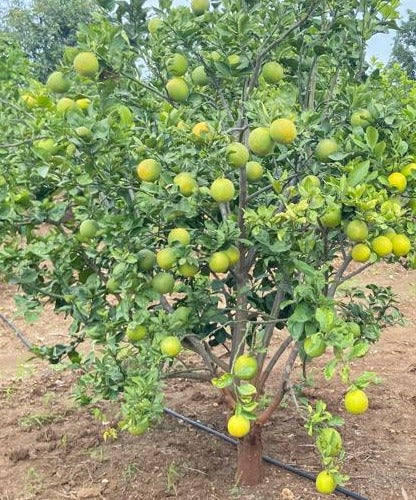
<point>275,358</point>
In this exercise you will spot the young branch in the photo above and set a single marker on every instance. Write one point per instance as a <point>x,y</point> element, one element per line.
<point>333,287</point>
<point>271,364</point>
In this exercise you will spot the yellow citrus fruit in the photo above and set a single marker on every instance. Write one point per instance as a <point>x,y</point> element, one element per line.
<point>136,332</point>
<point>199,76</point>
<point>398,181</point>
<point>233,60</point>
<point>171,346</point>
<point>245,367</point>
<point>356,402</point>
<point>254,171</point>
<point>88,229</point>
<point>188,270</point>
<point>29,100</point>
<point>153,25</point>
<point>201,130</point>
<point>83,103</point>
<point>390,233</point>
<point>148,170</point>
<point>64,105</point>
<point>222,190</point>
<point>57,83</point>
<point>408,169</point>
<point>357,230</point>
<point>179,234</point>
<point>177,89</point>
<point>165,258</point>
<point>238,426</point>
<point>401,245</point>
<point>260,142</point>
<point>237,154</point>
<point>199,7</point>
<point>86,64</point>
<point>283,131</point>
<point>272,72</point>
<point>325,148</point>
<point>186,183</point>
<point>219,262</point>
<point>163,283</point>
<point>233,254</point>
<point>325,483</point>
<point>382,246</point>
<point>177,65</point>
<point>360,252</point>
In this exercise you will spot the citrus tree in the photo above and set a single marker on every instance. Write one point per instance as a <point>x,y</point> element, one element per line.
<point>196,191</point>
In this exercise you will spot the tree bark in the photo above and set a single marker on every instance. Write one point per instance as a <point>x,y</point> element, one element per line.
<point>249,459</point>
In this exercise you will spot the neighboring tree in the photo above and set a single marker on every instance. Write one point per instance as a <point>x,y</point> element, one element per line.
<point>208,186</point>
<point>44,27</point>
<point>404,49</point>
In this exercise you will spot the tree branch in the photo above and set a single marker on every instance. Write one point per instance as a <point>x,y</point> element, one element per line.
<point>275,358</point>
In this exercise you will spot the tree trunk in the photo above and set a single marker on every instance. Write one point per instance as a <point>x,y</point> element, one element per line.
<point>249,459</point>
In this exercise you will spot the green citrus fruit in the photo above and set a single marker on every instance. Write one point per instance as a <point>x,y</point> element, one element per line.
<point>233,254</point>
<point>360,252</point>
<point>245,367</point>
<point>171,346</point>
<point>188,270</point>
<point>283,131</point>
<point>332,217</point>
<point>272,72</point>
<point>254,171</point>
<point>357,230</point>
<point>382,246</point>
<point>233,60</point>
<point>186,183</point>
<point>135,333</point>
<point>83,103</point>
<point>163,283</point>
<point>177,65</point>
<point>148,170</point>
<point>64,105</point>
<point>325,148</point>
<point>408,169</point>
<point>219,262</point>
<point>238,426</point>
<point>146,259</point>
<point>153,25</point>
<point>199,76</point>
<point>222,190</point>
<point>179,234</point>
<point>86,64</point>
<point>57,83</point>
<point>88,229</point>
<point>325,483</point>
<point>314,349</point>
<point>361,118</point>
<point>201,130</point>
<point>83,132</point>
<point>237,154</point>
<point>181,314</point>
<point>260,142</point>
<point>113,285</point>
<point>177,89</point>
<point>355,328</point>
<point>199,7</point>
<point>356,402</point>
<point>165,258</point>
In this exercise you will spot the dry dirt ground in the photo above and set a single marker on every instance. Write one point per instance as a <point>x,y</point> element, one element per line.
<point>51,449</point>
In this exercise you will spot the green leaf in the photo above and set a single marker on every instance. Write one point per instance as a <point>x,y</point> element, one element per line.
<point>330,368</point>
<point>246,390</point>
<point>371,136</point>
<point>359,350</point>
<point>325,316</point>
<point>224,381</point>
<point>359,173</point>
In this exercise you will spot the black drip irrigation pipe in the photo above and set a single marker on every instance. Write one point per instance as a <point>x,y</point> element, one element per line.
<point>269,460</point>
<point>209,430</point>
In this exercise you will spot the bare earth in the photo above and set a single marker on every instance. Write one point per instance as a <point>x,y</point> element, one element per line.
<point>51,449</point>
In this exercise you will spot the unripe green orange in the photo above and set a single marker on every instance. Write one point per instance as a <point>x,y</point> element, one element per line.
<point>163,283</point>
<point>401,245</point>
<point>199,7</point>
<point>165,258</point>
<point>382,246</point>
<point>199,76</point>
<point>361,118</point>
<point>245,367</point>
<point>360,252</point>
<point>48,147</point>
<point>222,190</point>
<point>408,169</point>
<point>148,170</point>
<point>237,154</point>
<point>397,180</point>
<point>146,259</point>
<point>64,105</point>
<point>153,25</point>
<point>135,333</point>
<point>357,230</point>
<point>83,103</point>
<point>84,132</point>
<point>329,439</point>
<point>332,217</point>
<point>233,254</point>
<point>112,285</point>
<point>219,262</point>
<point>272,72</point>
<point>188,270</point>
<point>186,183</point>
<point>177,89</point>
<point>313,349</point>
<point>325,148</point>
<point>86,64</point>
<point>201,130</point>
<point>177,65</point>
<point>283,131</point>
<point>179,234</point>
<point>57,83</point>
<point>88,229</point>
<point>171,346</point>
<point>233,60</point>
<point>254,171</point>
<point>260,142</point>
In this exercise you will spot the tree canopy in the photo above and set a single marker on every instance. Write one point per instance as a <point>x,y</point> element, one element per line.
<point>404,49</point>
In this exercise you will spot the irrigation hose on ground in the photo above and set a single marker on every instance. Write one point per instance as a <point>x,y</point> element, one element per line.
<point>209,430</point>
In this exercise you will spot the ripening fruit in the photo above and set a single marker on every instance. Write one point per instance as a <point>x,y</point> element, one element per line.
<point>112,285</point>
<point>329,439</point>
<point>199,76</point>
<point>222,190</point>
<point>361,118</point>
<point>71,149</point>
<point>201,130</point>
<point>88,229</point>
<point>148,170</point>
<point>153,25</point>
<point>135,333</point>
<point>325,483</point>
<point>355,328</point>
<point>58,83</point>
<point>64,105</point>
<point>177,65</point>
<point>233,254</point>
<point>171,346</point>
<point>177,89</point>
<point>272,72</point>
<point>29,100</point>
<point>219,262</point>
<point>314,349</point>
<point>179,234</point>
<point>408,169</point>
<point>357,230</point>
<point>165,258</point>
<point>360,252</point>
<point>260,142</point>
<point>83,132</point>
<point>186,183</point>
<point>398,181</point>
<point>245,367</point>
<point>238,426</point>
<point>48,147</point>
<point>86,64</point>
<point>233,60</point>
<point>401,245</point>
<point>146,259</point>
<point>325,148</point>
<point>382,246</point>
<point>188,270</point>
<point>83,103</point>
<point>163,283</point>
<point>254,171</point>
<point>199,7</point>
<point>332,217</point>
<point>283,131</point>
<point>181,314</point>
<point>237,154</point>
<point>356,402</point>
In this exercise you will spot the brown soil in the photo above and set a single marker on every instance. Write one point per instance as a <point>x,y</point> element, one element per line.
<point>51,449</point>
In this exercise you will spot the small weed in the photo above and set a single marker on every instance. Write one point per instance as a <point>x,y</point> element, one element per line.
<point>131,471</point>
<point>110,434</point>
<point>39,420</point>
<point>34,481</point>
<point>172,479</point>
<point>97,454</point>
